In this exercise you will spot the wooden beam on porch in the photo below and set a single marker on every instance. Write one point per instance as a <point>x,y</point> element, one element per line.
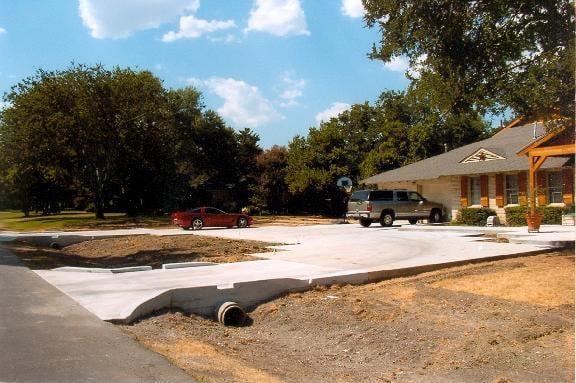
<point>550,151</point>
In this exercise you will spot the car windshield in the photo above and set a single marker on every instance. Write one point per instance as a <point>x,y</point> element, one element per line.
<point>361,195</point>
<point>197,210</point>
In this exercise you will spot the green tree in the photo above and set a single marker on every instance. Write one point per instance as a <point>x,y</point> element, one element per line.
<point>246,165</point>
<point>477,56</point>
<point>86,128</point>
<point>270,190</point>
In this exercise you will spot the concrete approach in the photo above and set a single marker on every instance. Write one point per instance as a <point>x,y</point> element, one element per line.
<point>306,256</point>
<point>47,337</point>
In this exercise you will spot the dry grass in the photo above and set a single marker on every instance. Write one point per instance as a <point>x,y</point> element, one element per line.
<point>549,283</point>
<point>208,363</point>
<point>138,250</point>
<point>502,321</point>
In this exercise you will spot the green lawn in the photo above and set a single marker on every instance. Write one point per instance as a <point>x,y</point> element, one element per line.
<point>70,220</point>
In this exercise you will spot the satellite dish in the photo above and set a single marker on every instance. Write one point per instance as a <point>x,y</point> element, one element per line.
<point>344,183</point>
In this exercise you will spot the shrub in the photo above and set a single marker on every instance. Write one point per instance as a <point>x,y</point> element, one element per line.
<point>568,210</point>
<point>551,215</point>
<point>474,216</point>
<point>516,215</point>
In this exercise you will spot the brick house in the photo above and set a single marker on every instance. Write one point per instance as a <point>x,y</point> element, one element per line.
<point>487,173</point>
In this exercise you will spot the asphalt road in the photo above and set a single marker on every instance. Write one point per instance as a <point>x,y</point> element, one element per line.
<point>47,337</point>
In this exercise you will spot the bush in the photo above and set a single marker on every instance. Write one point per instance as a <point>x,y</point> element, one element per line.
<point>568,210</point>
<point>516,215</point>
<point>551,215</point>
<point>474,216</point>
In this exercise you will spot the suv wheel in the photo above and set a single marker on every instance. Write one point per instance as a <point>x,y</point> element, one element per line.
<point>413,221</point>
<point>435,216</point>
<point>365,222</point>
<point>387,219</point>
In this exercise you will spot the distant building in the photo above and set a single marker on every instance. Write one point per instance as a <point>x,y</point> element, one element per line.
<point>488,173</point>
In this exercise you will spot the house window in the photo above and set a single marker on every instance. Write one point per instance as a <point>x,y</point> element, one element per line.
<point>474,190</point>
<point>554,180</point>
<point>511,190</point>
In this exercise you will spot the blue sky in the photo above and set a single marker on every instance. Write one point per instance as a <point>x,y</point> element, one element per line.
<point>275,66</point>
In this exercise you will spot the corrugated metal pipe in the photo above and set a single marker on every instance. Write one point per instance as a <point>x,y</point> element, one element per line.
<point>230,314</point>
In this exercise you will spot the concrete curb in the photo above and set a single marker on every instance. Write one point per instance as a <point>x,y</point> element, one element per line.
<point>203,300</point>
<point>179,265</point>
<point>117,270</point>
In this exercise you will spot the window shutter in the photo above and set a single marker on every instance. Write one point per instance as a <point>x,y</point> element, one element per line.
<point>499,190</point>
<point>568,185</point>
<point>484,191</point>
<point>522,187</point>
<point>464,191</point>
<point>541,182</point>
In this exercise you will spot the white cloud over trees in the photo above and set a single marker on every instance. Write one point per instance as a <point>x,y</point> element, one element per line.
<point>278,17</point>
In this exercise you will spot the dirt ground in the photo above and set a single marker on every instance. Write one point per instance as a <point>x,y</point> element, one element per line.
<point>293,220</point>
<point>138,250</point>
<point>503,321</point>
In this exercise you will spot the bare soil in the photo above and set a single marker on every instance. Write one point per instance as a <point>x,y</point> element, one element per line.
<point>138,250</point>
<point>293,220</point>
<point>502,321</point>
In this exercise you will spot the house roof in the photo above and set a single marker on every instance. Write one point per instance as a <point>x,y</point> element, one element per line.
<point>506,143</point>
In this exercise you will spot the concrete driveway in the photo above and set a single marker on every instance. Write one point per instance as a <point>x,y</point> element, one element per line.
<point>309,255</point>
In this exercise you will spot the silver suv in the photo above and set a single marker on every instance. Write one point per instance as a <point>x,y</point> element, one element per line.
<point>385,206</point>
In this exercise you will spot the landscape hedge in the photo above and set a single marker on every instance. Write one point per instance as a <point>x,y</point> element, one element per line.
<point>551,215</point>
<point>474,216</point>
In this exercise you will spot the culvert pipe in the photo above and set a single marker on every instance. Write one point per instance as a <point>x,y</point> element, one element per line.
<point>230,314</point>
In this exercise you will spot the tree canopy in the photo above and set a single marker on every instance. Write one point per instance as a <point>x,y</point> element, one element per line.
<point>478,56</point>
<point>118,138</point>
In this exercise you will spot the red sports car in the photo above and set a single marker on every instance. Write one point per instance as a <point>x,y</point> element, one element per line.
<point>209,216</point>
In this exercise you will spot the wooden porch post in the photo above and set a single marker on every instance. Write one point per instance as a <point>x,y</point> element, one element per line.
<point>532,186</point>
<point>535,163</point>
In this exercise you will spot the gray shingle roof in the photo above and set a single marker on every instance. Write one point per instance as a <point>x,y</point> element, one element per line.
<point>505,143</point>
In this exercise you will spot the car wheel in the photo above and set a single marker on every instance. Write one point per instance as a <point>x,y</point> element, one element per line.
<point>435,216</point>
<point>365,222</point>
<point>197,224</point>
<point>413,221</point>
<point>386,219</point>
<point>242,222</point>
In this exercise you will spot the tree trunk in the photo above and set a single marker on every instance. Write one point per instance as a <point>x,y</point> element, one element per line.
<point>99,195</point>
<point>98,207</point>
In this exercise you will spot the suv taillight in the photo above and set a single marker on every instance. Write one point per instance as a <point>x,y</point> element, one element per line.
<point>369,206</point>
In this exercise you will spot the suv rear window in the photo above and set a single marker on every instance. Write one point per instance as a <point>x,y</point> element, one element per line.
<point>361,195</point>
<point>372,195</point>
<point>382,195</point>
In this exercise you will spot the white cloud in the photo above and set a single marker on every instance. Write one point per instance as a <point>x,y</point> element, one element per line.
<point>292,89</point>
<point>2,30</point>
<point>191,27</point>
<point>398,64</point>
<point>229,38</point>
<point>333,111</point>
<point>352,8</point>
<point>120,18</point>
<point>419,66</point>
<point>278,17</point>
<point>244,104</point>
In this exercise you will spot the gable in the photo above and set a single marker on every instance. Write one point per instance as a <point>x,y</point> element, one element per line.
<point>482,155</point>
